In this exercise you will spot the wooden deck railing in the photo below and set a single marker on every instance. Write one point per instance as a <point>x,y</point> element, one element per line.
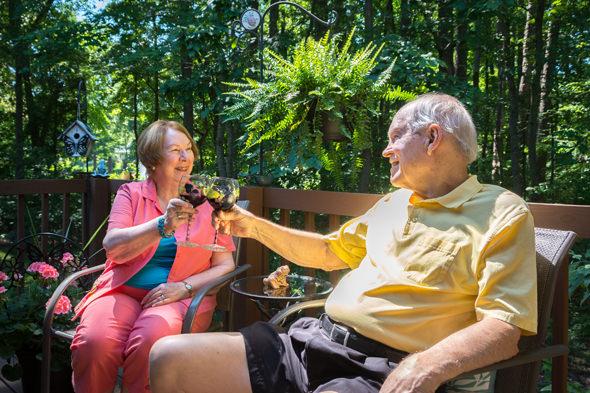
<point>97,196</point>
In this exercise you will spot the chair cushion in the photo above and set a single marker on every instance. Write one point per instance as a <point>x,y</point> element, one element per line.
<point>482,383</point>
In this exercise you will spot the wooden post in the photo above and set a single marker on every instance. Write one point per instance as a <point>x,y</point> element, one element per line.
<point>96,211</point>
<point>245,311</point>
<point>560,329</point>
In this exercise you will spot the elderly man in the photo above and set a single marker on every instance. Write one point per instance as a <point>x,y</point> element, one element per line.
<point>443,269</point>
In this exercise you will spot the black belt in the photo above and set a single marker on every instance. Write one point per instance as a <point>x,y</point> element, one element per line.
<point>348,337</point>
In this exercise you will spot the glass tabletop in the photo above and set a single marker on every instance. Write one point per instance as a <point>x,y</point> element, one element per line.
<point>300,288</point>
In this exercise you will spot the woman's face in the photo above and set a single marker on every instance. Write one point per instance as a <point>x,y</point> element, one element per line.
<point>177,157</point>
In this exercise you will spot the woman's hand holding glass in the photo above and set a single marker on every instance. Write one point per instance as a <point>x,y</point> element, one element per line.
<point>178,212</point>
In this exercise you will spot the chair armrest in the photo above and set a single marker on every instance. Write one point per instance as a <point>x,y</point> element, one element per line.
<point>209,287</point>
<point>524,357</point>
<point>280,317</point>
<point>61,288</point>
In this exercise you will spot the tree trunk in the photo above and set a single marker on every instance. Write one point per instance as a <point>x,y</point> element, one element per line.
<point>219,146</point>
<point>388,23</point>
<point>365,171</point>
<point>524,88</point>
<point>156,72</point>
<point>515,149</point>
<point>547,77</point>
<point>14,32</point>
<point>461,48</point>
<point>533,123</point>
<point>135,115</point>
<point>318,8</point>
<point>444,39</point>
<point>186,72</point>
<point>405,23</point>
<point>368,14</point>
<point>476,65</point>
<point>497,138</point>
<point>273,20</point>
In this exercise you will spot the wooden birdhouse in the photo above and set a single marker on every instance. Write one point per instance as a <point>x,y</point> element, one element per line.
<point>78,139</point>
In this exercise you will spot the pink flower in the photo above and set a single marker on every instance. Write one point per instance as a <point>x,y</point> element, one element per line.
<point>63,305</point>
<point>66,258</point>
<point>48,272</point>
<point>34,267</point>
<point>3,276</point>
<point>44,269</point>
<point>2,289</point>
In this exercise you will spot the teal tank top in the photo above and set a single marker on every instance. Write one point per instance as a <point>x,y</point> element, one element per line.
<point>156,271</point>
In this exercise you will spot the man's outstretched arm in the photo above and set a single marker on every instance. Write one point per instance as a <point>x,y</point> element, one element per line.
<point>483,343</point>
<point>303,248</point>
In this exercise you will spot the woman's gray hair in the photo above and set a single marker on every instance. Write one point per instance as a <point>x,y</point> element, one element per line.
<point>449,113</point>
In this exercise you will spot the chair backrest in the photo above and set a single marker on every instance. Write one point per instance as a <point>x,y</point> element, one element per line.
<point>552,247</point>
<point>225,299</point>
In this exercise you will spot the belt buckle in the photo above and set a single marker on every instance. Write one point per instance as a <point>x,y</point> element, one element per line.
<point>346,334</point>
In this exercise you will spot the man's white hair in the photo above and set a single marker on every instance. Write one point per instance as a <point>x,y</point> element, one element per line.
<point>449,113</point>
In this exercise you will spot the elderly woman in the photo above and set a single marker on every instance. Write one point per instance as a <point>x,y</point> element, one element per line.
<point>144,292</point>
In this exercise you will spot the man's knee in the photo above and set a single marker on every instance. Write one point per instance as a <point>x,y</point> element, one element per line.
<point>163,363</point>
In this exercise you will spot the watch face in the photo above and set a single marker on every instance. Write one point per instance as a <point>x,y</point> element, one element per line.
<point>250,19</point>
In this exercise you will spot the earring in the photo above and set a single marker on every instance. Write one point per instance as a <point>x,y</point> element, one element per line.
<point>153,168</point>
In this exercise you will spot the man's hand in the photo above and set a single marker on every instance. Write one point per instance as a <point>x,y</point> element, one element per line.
<point>235,221</point>
<point>409,377</point>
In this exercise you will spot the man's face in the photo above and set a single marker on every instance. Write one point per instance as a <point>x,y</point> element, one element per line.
<point>407,154</point>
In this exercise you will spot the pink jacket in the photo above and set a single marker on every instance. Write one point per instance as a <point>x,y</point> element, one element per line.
<point>135,204</point>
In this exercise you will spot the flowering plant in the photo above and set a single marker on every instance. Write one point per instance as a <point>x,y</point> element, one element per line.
<point>24,295</point>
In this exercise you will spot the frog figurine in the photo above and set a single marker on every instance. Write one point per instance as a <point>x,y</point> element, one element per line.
<point>101,170</point>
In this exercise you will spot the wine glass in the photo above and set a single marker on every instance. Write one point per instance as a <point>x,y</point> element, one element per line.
<point>191,189</point>
<point>222,194</point>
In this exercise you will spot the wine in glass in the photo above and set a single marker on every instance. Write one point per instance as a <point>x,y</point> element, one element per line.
<point>222,194</point>
<point>191,189</point>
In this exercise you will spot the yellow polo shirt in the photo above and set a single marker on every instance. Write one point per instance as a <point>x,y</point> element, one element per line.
<point>423,269</point>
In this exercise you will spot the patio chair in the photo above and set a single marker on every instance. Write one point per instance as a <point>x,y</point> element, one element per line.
<point>519,374</point>
<point>224,304</point>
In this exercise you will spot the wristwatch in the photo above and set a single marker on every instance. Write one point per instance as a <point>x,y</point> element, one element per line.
<point>188,287</point>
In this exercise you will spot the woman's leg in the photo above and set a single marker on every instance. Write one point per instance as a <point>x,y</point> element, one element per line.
<point>152,324</point>
<point>203,362</point>
<point>99,342</point>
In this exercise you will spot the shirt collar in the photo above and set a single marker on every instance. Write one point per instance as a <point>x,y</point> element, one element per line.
<point>454,199</point>
<point>148,189</point>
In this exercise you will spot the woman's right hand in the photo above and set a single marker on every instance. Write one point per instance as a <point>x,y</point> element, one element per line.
<point>235,221</point>
<point>178,212</point>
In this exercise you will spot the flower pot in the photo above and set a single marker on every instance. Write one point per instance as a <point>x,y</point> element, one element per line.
<point>331,127</point>
<point>61,381</point>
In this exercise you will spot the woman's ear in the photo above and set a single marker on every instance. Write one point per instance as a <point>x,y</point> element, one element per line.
<point>434,136</point>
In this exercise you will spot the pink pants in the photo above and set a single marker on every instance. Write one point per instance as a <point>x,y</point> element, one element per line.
<point>116,331</point>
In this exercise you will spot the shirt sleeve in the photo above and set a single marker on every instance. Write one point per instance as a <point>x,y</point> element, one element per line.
<point>507,275</point>
<point>348,243</point>
<point>121,215</point>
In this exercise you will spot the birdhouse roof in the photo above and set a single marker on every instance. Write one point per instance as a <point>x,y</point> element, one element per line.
<point>82,126</point>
